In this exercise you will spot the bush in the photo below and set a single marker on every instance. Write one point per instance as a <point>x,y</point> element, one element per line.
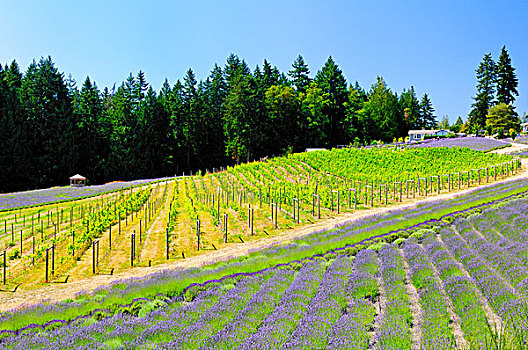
<point>15,254</point>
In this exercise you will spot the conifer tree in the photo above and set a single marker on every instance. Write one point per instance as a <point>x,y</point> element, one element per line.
<point>411,108</point>
<point>299,74</point>
<point>507,81</point>
<point>486,77</point>
<point>331,80</point>
<point>427,118</point>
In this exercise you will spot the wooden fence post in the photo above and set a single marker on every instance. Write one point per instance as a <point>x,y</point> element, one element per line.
<point>167,243</point>
<point>4,267</point>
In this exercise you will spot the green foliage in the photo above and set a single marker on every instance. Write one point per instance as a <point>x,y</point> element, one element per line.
<point>332,81</point>
<point>51,129</point>
<point>283,105</point>
<point>369,164</point>
<point>313,120</point>
<point>507,81</point>
<point>411,109</point>
<point>501,117</point>
<point>444,123</point>
<point>427,118</point>
<point>299,74</point>
<point>381,114</point>
<point>14,254</point>
<point>486,76</point>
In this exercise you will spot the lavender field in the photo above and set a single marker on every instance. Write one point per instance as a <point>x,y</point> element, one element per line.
<point>60,194</point>
<point>475,143</point>
<point>522,139</point>
<point>447,286</point>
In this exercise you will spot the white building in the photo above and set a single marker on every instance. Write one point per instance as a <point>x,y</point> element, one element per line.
<point>419,135</point>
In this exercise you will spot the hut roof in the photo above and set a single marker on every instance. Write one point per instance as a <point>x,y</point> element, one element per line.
<point>77,177</point>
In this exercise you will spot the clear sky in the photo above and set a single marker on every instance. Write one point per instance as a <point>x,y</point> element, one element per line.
<point>434,45</point>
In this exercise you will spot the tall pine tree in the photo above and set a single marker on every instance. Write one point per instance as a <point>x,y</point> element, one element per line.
<point>427,118</point>
<point>507,81</point>
<point>486,77</point>
<point>331,80</point>
<point>299,74</point>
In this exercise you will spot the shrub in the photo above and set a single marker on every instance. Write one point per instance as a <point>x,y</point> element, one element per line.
<point>15,254</point>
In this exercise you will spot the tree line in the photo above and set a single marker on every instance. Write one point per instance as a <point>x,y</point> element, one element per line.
<point>50,128</point>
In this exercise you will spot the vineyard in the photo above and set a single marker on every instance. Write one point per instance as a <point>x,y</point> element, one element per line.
<point>174,219</point>
<point>459,282</point>
<point>51,242</point>
<point>178,218</point>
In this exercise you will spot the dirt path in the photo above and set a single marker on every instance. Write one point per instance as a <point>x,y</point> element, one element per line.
<point>57,292</point>
<point>515,147</point>
<point>416,308</point>
<point>380,308</point>
<point>455,318</point>
<point>152,249</point>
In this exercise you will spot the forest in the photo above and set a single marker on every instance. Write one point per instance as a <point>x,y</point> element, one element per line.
<point>51,128</point>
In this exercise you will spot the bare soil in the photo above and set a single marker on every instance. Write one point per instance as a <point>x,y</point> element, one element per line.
<point>416,308</point>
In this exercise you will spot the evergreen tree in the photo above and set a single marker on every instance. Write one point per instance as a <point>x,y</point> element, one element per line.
<point>299,74</point>
<point>141,86</point>
<point>282,104</point>
<point>50,129</point>
<point>15,155</point>
<point>214,95</point>
<point>177,115</point>
<point>486,77</point>
<point>427,118</point>
<point>239,124</point>
<point>120,110</point>
<point>411,109</point>
<point>355,103</point>
<point>47,105</point>
<point>314,121</point>
<point>270,75</point>
<point>234,67</point>
<point>507,81</point>
<point>457,126</point>
<point>191,119</point>
<point>153,145</point>
<point>88,110</point>
<point>331,80</point>
<point>380,114</point>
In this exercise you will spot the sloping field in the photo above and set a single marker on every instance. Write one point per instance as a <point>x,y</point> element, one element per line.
<point>179,218</point>
<point>438,281</point>
<point>248,193</point>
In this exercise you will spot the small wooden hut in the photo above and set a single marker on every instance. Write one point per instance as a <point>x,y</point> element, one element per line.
<point>77,181</point>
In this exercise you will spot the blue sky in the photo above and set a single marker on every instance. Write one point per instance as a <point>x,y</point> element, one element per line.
<point>434,45</point>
